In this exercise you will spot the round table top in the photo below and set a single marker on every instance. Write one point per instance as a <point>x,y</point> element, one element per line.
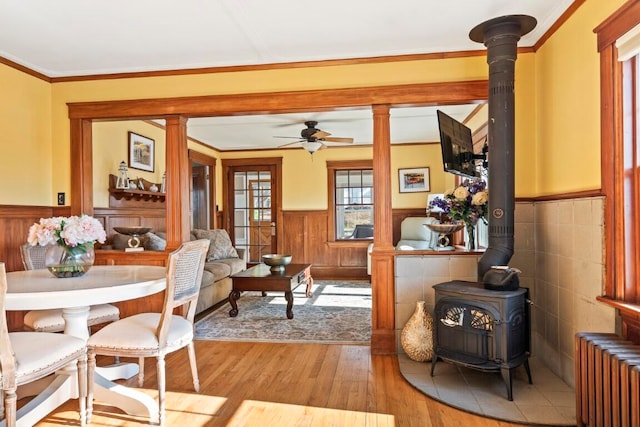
<point>39,289</point>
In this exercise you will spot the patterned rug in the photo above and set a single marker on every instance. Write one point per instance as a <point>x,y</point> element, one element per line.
<point>338,312</point>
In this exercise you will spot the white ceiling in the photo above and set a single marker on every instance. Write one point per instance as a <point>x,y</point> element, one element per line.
<point>78,37</point>
<point>415,124</point>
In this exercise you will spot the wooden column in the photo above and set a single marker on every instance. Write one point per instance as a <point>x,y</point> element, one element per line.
<point>81,156</point>
<point>177,184</point>
<point>383,340</point>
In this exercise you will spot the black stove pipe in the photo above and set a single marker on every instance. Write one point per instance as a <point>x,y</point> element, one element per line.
<point>500,36</point>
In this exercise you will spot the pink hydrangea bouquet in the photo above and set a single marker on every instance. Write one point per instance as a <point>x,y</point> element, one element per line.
<point>75,233</point>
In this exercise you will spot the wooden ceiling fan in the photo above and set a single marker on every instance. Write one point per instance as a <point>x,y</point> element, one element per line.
<point>313,139</point>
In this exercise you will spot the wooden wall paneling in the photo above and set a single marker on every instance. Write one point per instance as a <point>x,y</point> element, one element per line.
<point>293,239</point>
<point>354,256</point>
<point>130,217</point>
<point>14,228</point>
<point>318,251</point>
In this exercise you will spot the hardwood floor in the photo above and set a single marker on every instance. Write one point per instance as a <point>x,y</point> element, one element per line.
<point>275,384</point>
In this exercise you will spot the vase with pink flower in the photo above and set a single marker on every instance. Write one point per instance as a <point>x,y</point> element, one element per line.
<point>467,204</point>
<point>69,242</point>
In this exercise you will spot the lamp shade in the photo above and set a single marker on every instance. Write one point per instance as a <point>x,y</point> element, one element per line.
<point>311,147</point>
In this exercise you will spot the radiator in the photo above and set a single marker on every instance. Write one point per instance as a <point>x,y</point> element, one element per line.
<point>607,382</point>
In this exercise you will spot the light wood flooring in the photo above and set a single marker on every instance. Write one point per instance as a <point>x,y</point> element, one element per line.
<point>275,384</point>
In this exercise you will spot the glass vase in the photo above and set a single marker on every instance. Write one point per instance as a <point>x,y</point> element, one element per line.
<point>63,261</point>
<point>470,244</point>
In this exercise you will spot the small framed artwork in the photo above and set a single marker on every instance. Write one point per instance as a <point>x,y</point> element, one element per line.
<point>141,152</point>
<point>414,180</point>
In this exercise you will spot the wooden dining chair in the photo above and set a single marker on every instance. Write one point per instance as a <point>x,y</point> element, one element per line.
<point>29,356</point>
<point>51,320</point>
<point>157,334</point>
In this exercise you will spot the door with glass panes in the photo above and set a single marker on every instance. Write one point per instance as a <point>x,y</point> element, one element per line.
<point>254,210</point>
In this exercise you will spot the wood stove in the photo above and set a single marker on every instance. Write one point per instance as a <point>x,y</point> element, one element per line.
<point>482,329</point>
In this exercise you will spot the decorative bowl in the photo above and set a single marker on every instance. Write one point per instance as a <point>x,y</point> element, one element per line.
<point>276,261</point>
<point>132,231</point>
<point>444,228</point>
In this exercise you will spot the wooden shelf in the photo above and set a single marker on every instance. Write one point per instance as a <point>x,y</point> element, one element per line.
<point>121,197</point>
<point>119,193</point>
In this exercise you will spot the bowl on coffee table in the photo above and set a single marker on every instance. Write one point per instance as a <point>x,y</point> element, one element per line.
<point>276,261</point>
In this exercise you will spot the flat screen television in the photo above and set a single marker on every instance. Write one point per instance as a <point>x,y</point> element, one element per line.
<point>457,147</point>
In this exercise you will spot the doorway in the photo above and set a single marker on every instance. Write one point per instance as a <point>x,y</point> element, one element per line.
<point>203,214</point>
<point>252,205</point>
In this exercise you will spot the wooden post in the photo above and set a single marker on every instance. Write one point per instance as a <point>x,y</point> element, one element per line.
<point>177,185</point>
<point>383,340</point>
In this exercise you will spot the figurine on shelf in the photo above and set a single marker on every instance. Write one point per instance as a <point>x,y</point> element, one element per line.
<point>153,187</point>
<point>140,184</point>
<point>123,179</point>
<point>163,186</point>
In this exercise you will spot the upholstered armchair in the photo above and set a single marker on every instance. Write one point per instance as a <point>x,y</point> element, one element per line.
<point>415,235</point>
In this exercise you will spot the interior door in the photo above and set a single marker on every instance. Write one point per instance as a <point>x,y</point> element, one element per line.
<point>199,199</point>
<point>253,208</point>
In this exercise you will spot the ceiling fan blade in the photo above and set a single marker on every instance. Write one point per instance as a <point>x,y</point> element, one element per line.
<point>336,139</point>
<point>287,145</point>
<point>290,137</point>
<point>320,134</point>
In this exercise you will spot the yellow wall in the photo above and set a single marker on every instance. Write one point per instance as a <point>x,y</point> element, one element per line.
<point>110,147</point>
<point>405,72</point>
<point>557,116</point>
<point>568,103</point>
<point>25,140</point>
<point>304,176</point>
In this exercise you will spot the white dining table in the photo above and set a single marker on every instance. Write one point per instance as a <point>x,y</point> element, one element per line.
<point>39,290</point>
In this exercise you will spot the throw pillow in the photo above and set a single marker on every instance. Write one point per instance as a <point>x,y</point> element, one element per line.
<point>220,247</point>
<point>153,242</point>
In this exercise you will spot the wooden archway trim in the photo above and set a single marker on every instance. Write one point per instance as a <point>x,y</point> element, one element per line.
<point>178,110</point>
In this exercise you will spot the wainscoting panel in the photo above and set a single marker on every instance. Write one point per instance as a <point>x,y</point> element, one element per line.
<point>131,217</point>
<point>14,228</point>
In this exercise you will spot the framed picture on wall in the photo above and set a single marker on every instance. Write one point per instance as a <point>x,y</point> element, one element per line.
<point>141,152</point>
<point>414,180</point>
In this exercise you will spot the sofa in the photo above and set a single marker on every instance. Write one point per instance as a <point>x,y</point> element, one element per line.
<point>222,261</point>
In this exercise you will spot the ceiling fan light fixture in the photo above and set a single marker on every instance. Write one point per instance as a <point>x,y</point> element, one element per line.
<point>311,147</point>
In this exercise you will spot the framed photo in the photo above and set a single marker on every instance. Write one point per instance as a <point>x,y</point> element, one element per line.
<point>414,180</point>
<point>141,152</point>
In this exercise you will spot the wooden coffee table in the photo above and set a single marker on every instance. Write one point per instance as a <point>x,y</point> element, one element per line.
<point>261,278</point>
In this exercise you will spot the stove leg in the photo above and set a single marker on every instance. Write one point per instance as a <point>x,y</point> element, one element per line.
<point>526,366</point>
<point>506,377</point>
<point>434,359</point>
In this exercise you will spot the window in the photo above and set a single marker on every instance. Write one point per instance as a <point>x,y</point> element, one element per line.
<point>619,46</point>
<point>350,199</point>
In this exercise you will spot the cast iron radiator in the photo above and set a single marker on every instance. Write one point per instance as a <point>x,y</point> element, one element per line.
<point>607,377</point>
<point>481,329</point>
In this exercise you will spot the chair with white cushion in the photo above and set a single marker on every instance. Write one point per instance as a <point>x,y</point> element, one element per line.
<point>415,235</point>
<point>51,320</point>
<point>29,356</point>
<point>157,334</point>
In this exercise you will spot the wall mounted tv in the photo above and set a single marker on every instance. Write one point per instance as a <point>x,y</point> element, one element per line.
<point>457,147</point>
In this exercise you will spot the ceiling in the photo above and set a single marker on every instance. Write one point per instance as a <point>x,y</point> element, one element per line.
<point>66,38</point>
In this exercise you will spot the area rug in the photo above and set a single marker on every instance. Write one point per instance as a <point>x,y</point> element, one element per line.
<point>337,312</point>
